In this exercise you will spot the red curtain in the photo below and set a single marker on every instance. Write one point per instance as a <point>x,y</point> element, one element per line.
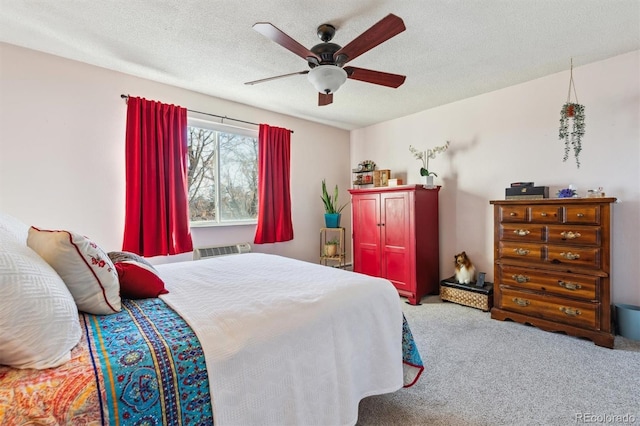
<point>157,206</point>
<point>274,209</point>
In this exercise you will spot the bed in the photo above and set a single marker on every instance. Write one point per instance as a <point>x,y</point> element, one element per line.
<point>241,339</point>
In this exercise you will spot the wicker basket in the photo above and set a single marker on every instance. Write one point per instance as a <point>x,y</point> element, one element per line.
<point>467,295</point>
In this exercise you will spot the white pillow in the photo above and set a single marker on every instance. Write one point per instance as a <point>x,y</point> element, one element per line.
<point>10,227</point>
<point>83,266</point>
<point>38,318</point>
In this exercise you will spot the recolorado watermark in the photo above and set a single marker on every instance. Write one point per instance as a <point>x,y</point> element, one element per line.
<point>605,418</point>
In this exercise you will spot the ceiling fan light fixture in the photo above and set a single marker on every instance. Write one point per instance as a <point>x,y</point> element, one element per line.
<point>327,78</point>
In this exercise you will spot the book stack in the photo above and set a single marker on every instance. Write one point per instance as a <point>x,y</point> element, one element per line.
<point>526,191</point>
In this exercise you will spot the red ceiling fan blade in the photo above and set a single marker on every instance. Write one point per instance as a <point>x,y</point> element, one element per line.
<point>271,32</point>
<point>375,77</point>
<point>276,77</point>
<point>325,99</point>
<point>389,26</point>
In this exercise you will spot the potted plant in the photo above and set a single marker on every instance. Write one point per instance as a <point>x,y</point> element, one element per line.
<point>331,208</point>
<point>424,156</point>
<point>331,248</point>
<point>572,113</point>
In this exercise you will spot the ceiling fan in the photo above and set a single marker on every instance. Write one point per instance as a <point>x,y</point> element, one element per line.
<point>326,60</point>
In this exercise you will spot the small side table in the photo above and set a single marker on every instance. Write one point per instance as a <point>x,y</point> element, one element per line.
<point>332,254</point>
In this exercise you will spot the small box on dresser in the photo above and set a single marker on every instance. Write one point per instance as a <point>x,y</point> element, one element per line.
<point>552,265</point>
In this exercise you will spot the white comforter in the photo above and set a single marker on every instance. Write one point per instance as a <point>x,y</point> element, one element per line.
<point>288,342</point>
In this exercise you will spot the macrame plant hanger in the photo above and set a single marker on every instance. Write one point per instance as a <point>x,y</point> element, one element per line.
<point>570,107</point>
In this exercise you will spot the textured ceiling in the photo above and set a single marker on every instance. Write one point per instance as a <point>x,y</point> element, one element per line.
<point>451,50</point>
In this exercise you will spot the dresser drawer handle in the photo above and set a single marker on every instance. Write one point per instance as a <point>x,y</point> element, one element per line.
<point>520,278</point>
<point>521,251</point>
<point>570,235</point>
<point>580,215</point>
<point>570,311</point>
<point>513,214</point>
<point>543,214</point>
<point>521,302</point>
<point>521,232</point>
<point>570,256</point>
<point>569,285</point>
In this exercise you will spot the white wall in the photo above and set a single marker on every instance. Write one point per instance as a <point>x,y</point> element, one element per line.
<point>511,135</point>
<point>62,128</point>
<point>62,154</point>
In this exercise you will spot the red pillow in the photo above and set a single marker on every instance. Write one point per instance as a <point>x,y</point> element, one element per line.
<point>139,281</point>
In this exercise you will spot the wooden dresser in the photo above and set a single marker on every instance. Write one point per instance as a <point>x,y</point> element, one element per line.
<point>552,265</point>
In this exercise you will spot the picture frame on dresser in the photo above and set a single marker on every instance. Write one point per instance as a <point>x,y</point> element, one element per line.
<point>552,265</point>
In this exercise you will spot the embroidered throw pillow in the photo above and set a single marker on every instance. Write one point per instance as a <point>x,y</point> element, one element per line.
<point>84,267</point>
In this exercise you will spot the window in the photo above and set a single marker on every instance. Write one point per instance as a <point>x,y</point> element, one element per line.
<point>223,174</point>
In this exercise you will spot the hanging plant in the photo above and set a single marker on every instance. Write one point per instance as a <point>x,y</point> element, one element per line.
<point>572,113</point>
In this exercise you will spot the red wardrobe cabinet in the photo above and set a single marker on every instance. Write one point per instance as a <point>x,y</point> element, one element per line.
<point>395,236</point>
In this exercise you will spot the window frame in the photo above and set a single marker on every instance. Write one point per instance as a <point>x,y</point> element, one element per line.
<point>225,128</point>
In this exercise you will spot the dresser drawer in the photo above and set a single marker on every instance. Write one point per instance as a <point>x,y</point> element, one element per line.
<point>521,251</point>
<point>566,311</point>
<point>573,285</point>
<point>545,214</point>
<point>522,232</point>
<point>574,234</point>
<point>585,257</point>
<point>586,214</point>
<point>513,213</point>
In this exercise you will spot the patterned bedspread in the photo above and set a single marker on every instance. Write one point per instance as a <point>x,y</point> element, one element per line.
<point>145,363</point>
<point>142,366</point>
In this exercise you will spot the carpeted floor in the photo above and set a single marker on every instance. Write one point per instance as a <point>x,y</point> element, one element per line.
<point>480,371</point>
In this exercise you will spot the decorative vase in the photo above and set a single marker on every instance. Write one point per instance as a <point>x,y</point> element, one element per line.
<point>428,181</point>
<point>332,220</point>
<point>330,250</point>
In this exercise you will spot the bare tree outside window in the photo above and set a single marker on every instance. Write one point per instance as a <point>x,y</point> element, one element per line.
<point>223,176</point>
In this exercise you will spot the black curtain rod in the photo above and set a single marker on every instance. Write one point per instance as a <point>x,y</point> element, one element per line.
<point>223,117</point>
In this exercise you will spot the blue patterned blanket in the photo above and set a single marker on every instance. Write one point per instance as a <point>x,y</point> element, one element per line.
<point>150,367</point>
<point>151,364</point>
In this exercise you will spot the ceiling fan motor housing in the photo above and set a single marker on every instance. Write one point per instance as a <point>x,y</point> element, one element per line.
<point>325,52</point>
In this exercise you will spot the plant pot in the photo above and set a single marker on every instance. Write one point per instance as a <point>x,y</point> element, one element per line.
<point>330,250</point>
<point>332,220</point>
<point>570,110</point>
<point>428,181</point>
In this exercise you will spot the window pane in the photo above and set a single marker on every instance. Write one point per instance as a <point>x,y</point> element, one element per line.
<point>238,177</point>
<point>202,148</point>
<point>223,175</point>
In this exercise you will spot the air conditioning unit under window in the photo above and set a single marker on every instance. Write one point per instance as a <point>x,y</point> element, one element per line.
<point>206,252</point>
